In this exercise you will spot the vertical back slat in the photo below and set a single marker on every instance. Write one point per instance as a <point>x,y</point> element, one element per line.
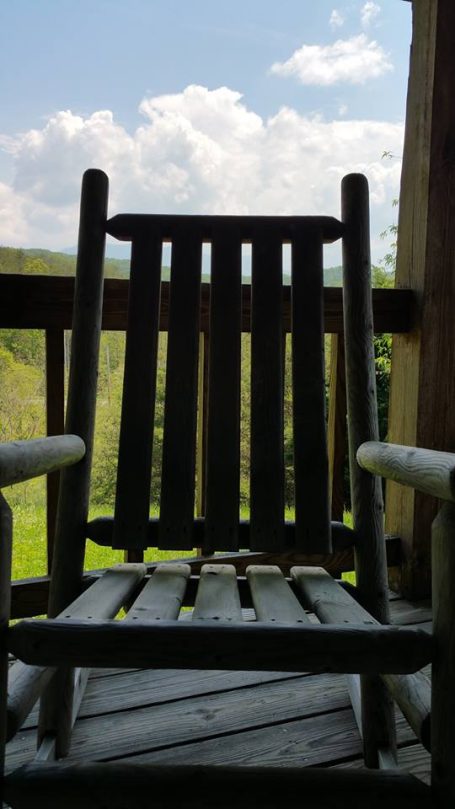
<point>267,466</point>
<point>310,443</point>
<point>132,503</point>
<point>223,435</point>
<point>180,420</point>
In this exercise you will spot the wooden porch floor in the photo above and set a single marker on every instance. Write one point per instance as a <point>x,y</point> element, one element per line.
<point>225,718</point>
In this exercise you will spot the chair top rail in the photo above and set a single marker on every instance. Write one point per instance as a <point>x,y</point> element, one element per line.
<point>127,227</point>
<point>22,460</point>
<point>427,470</point>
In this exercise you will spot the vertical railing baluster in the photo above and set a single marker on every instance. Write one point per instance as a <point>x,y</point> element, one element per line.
<point>55,423</point>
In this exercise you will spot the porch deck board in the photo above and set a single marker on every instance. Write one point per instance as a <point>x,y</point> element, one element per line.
<point>211,717</point>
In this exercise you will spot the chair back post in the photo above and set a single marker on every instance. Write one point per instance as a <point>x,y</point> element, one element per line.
<point>366,492</point>
<point>73,504</point>
<point>70,536</point>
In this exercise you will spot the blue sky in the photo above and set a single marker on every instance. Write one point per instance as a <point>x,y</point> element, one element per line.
<point>197,106</point>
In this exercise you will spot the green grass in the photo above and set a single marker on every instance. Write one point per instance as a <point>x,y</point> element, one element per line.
<point>29,543</point>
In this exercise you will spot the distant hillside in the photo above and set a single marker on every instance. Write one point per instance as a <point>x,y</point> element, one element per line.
<point>35,261</point>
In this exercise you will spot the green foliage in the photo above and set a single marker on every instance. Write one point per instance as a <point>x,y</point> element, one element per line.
<point>21,398</point>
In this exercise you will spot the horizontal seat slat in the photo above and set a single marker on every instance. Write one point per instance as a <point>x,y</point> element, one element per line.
<point>162,596</point>
<point>273,599</point>
<point>218,596</point>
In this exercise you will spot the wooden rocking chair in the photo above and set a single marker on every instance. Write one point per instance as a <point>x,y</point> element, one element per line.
<point>353,637</point>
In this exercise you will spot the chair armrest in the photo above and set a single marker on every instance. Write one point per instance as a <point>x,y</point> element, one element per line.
<point>22,460</point>
<point>430,471</point>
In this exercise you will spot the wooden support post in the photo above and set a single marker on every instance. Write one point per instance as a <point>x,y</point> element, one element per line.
<point>423,362</point>
<point>69,548</point>
<point>6,541</point>
<point>443,671</point>
<point>366,493</point>
<point>336,432</point>
<point>55,420</point>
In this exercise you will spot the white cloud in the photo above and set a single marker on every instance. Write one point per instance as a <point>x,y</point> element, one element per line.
<point>336,19</point>
<point>369,12</point>
<point>198,151</point>
<point>352,61</point>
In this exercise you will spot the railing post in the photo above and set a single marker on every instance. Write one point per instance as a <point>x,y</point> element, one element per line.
<point>55,422</point>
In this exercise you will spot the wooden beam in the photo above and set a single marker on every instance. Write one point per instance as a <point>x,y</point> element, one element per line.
<point>125,785</point>
<point>42,302</point>
<point>237,646</point>
<point>423,362</point>
<point>44,786</point>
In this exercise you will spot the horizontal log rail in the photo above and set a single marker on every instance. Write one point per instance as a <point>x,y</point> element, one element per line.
<point>427,470</point>
<point>229,646</point>
<point>23,460</point>
<point>45,302</point>
<point>100,784</point>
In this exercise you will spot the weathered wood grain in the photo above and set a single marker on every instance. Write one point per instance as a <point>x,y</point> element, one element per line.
<point>207,716</point>
<point>273,599</point>
<point>217,596</point>
<point>162,596</point>
<point>429,471</point>
<point>22,460</point>
<point>102,600</point>
<point>331,603</point>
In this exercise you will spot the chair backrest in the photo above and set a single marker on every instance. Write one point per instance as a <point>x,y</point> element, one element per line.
<point>258,309</point>
<point>226,235</point>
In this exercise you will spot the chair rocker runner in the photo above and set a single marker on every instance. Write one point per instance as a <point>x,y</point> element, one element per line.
<point>353,637</point>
